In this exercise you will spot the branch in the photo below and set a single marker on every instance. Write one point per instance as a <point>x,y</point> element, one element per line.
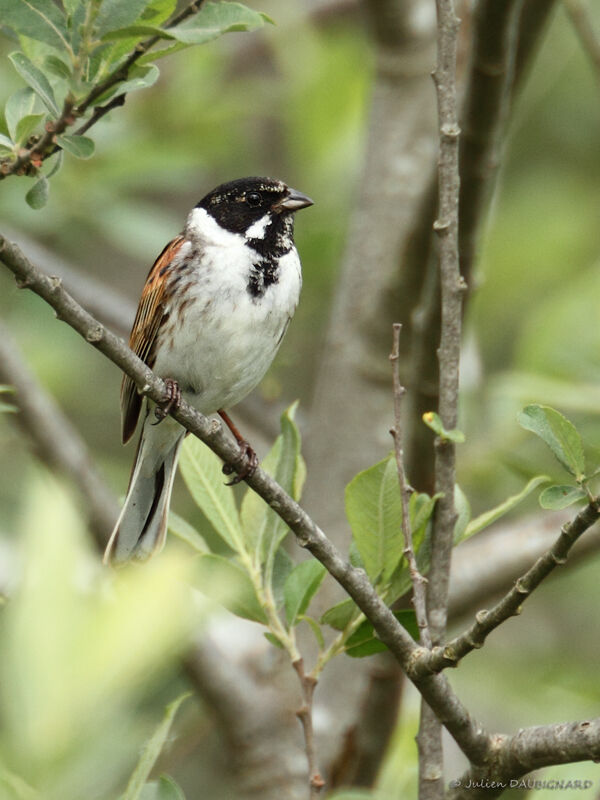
<point>469,734</point>
<point>29,160</point>
<point>529,749</point>
<point>304,714</point>
<point>486,621</point>
<point>55,439</point>
<point>429,738</point>
<point>503,44</point>
<point>418,581</point>
<point>483,567</point>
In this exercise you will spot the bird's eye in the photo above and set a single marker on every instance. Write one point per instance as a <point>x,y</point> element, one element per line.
<point>253,199</point>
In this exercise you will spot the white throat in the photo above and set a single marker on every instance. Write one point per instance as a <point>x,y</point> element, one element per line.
<point>204,229</point>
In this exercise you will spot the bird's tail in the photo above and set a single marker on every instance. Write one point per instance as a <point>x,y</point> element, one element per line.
<point>142,525</point>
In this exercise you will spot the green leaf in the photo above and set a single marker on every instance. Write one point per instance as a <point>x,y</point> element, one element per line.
<point>6,143</point>
<point>315,628</point>
<point>202,473</point>
<point>558,433</point>
<point>229,582</point>
<point>78,146</point>
<point>374,510</point>
<point>282,566</point>
<point>488,517</point>
<point>36,79</point>
<point>151,751</point>
<point>300,587</point>
<point>215,19</point>
<point>37,196</point>
<point>115,14</point>
<point>433,421</point>
<point>139,78</point>
<point>41,20</point>
<point>18,105</point>
<point>27,126</point>
<point>463,511</point>
<point>158,11</point>
<point>263,528</point>
<point>57,67</point>
<point>164,788</point>
<point>187,533</point>
<point>557,497</point>
<point>364,642</point>
<point>340,615</point>
<point>273,639</point>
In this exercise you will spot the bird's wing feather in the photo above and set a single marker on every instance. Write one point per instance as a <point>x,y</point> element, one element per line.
<point>143,334</point>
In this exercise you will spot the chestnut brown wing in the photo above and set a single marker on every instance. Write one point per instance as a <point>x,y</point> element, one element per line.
<point>147,321</point>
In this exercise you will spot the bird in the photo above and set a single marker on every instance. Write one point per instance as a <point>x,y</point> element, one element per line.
<point>213,311</point>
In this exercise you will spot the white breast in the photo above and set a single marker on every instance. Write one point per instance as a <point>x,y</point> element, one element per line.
<point>229,338</point>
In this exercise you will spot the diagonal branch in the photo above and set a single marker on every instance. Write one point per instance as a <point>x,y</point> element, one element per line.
<point>486,621</point>
<point>468,733</point>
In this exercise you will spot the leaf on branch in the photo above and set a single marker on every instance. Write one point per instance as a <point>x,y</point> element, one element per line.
<point>340,615</point>
<point>6,144</point>
<point>363,641</point>
<point>78,146</point>
<point>58,67</point>
<point>139,78</point>
<point>36,79</point>
<point>374,511</point>
<point>19,105</point>
<point>26,126</point>
<point>164,788</point>
<point>42,20</point>
<point>116,14</point>
<point>151,751</point>
<point>561,436</point>
<point>37,196</point>
<point>433,421</point>
<point>228,582</point>
<point>300,587</point>
<point>263,528</point>
<point>187,533</point>
<point>488,517</point>
<point>201,470</point>
<point>558,497</point>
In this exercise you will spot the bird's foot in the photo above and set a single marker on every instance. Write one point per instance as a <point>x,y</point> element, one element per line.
<point>249,467</point>
<point>172,400</point>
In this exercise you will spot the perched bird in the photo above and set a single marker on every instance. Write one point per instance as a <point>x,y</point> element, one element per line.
<point>214,309</point>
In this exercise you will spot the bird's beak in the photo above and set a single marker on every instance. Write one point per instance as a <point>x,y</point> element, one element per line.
<point>293,201</point>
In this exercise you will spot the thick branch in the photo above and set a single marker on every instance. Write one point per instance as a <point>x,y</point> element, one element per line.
<point>529,749</point>
<point>470,736</point>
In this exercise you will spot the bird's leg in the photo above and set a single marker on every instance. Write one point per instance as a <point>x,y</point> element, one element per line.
<point>251,459</point>
<point>172,401</point>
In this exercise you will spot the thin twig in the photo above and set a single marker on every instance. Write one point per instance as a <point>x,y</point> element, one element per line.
<point>486,621</point>
<point>418,581</point>
<point>471,737</point>
<point>584,26</point>
<point>304,714</point>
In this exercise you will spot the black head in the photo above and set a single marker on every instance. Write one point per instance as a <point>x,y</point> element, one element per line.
<point>239,204</point>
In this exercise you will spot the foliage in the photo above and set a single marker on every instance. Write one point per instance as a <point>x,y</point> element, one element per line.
<point>83,644</point>
<point>86,50</point>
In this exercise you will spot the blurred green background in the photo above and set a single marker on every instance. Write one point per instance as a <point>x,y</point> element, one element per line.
<point>292,101</point>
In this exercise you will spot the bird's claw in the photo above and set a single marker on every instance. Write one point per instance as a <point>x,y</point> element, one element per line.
<point>249,468</point>
<point>172,400</point>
